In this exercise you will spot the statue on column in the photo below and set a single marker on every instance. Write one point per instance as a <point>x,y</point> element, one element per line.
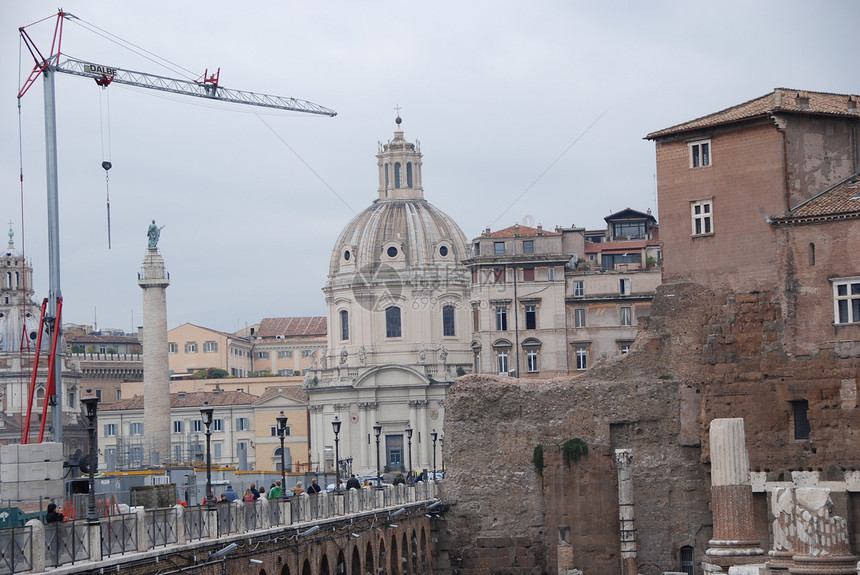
<point>153,233</point>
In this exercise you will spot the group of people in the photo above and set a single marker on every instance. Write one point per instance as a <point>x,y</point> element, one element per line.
<point>276,491</point>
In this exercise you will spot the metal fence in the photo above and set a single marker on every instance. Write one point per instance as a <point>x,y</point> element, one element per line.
<point>161,527</point>
<point>196,526</point>
<point>16,550</point>
<point>66,542</point>
<point>119,534</point>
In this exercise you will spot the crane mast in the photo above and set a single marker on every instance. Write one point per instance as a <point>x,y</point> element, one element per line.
<point>103,75</point>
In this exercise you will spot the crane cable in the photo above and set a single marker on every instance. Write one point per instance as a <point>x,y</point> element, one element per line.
<point>24,347</point>
<point>106,163</point>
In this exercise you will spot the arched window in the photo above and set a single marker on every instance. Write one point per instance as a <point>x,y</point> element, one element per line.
<point>398,177</point>
<point>386,177</point>
<point>392,322</point>
<point>448,320</point>
<point>344,324</point>
<point>811,254</point>
<point>408,174</point>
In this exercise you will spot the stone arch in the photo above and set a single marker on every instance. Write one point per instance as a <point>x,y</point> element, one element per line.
<point>382,554</point>
<point>368,560</point>
<point>285,570</point>
<point>405,555</point>
<point>324,568</point>
<point>423,544</point>
<point>340,566</point>
<point>394,562</point>
<point>355,569</point>
<point>306,568</point>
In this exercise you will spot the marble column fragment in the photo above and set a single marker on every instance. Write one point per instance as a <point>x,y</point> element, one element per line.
<point>782,507</point>
<point>626,511</point>
<point>822,544</point>
<point>734,541</point>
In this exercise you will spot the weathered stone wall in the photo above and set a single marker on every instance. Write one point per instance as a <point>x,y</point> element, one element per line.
<point>702,355</point>
<point>497,493</point>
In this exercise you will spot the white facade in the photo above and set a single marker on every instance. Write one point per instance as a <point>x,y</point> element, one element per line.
<point>398,323</point>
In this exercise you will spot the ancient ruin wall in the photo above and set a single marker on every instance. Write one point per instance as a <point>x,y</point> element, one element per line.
<point>506,518</point>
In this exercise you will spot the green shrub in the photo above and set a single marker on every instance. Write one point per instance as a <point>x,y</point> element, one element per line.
<point>537,459</point>
<point>572,450</point>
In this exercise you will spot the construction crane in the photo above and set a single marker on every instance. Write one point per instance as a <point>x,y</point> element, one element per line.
<point>206,87</point>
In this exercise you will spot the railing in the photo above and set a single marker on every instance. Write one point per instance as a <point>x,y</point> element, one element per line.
<point>16,550</point>
<point>118,534</point>
<point>39,546</point>
<point>161,528</point>
<point>66,542</point>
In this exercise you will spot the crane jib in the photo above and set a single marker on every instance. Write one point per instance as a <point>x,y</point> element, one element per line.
<point>99,69</point>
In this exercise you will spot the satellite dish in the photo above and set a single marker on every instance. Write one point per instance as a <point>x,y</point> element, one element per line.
<point>529,221</point>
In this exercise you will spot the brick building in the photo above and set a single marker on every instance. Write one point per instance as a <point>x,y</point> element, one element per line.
<point>724,177</point>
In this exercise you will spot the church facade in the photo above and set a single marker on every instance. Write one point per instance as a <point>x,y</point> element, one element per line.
<point>397,306</point>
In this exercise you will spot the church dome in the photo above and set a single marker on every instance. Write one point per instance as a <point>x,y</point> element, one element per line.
<point>400,230</point>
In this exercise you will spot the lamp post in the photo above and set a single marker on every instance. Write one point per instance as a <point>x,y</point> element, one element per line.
<point>433,436</point>
<point>377,431</point>
<point>442,453</point>
<point>90,402</point>
<point>206,414</point>
<point>409,439</point>
<point>282,432</point>
<point>335,425</point>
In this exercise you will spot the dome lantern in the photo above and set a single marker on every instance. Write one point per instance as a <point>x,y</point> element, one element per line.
<point>399,165</point>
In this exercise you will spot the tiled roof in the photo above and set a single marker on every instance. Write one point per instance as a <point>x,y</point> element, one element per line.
<point>191,399</point>
<point>780,100</point>
<point>292,326</point>
<point>518,230</point>
<point>294,391</point>
<point>630,213</point>
<point>840,200</point>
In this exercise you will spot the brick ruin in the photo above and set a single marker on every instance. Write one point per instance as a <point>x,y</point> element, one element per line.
<point>702,355</point>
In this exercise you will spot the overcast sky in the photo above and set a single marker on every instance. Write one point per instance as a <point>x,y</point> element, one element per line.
<point>522,109</point>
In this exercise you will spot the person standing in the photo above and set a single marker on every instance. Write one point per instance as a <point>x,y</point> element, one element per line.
<point>231,495</point>
<point>276,491</point>
<point>254,491</point>
<point>314,488</point>
<point>352,483</point>
<point>53,516</point>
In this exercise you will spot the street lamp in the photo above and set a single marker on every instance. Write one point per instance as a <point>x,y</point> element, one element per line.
<point>90,402</point>
<point>442,453</point>
<point>335,425</point>
<point>206,414</point>
<point>433,436</point>
<point>377,431</point>
<point>282,432</point>
<point>409,439</point>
